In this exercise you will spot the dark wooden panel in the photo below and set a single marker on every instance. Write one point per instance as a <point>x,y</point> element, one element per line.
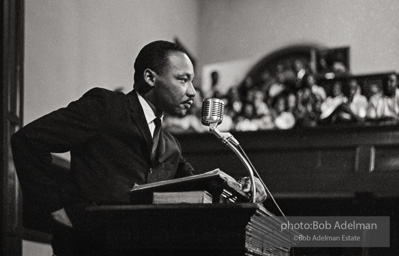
<point>11,101</point>
<point>387,159</point>
<point>320,161</point>
<point>304,161</point>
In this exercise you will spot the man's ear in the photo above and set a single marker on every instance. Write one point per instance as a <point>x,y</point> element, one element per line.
<point>149,77</point>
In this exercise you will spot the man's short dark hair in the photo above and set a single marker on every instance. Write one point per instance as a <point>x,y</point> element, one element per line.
<point>155,57</point>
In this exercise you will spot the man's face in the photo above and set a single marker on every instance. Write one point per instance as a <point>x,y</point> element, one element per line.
<point>353,86</point>
<point>291,101</point>
<point>337,89</point>
<point>280,105</point>
<point>174,91</point>
<point>392,85</point>
<point>310,80</point>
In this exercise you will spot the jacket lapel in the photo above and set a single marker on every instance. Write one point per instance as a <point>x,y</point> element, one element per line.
<point>138,117</point>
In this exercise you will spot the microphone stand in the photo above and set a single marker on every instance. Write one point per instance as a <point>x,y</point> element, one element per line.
<point>229,140</point>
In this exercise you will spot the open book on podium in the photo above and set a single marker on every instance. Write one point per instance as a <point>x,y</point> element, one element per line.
<point>222,188</point>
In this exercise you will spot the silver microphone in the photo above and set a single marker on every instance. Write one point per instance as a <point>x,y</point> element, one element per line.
<point>212,115</point>
<point>212,111</point>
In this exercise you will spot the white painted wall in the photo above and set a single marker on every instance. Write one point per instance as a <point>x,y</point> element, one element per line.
<point>230,73</point>
<point>231,30</point>
<point>74,45</point>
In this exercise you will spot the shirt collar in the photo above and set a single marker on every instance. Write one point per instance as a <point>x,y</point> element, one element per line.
<point>148,112</point>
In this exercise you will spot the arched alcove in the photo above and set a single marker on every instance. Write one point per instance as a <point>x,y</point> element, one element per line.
<point>285,58</point>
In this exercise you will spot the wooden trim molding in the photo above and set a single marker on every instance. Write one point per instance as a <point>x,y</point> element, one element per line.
<point>12,53</point>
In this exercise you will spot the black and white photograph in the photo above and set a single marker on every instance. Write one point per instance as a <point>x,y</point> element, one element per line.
<point>199,128</point>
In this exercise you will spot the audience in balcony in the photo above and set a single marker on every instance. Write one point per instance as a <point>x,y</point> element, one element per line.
<point>384,106</point>
<point>291,98</point>
<point>352,108</point>
<point>246,121</point>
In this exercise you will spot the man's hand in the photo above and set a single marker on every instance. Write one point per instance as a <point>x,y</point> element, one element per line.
<point>261,194</point>
<point>61,217</point>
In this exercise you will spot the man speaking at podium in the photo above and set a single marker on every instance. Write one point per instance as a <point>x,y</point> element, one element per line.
<point>115,141</point>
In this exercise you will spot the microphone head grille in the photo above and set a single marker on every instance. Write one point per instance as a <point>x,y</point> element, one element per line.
<point>212,111</point>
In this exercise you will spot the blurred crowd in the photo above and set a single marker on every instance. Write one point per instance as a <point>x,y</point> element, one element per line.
<point>290,98</point>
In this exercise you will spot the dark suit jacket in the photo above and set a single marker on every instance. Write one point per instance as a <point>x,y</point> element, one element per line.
<point>110,144</point>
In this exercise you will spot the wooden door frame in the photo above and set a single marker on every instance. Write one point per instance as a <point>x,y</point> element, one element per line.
<point>11,116</point>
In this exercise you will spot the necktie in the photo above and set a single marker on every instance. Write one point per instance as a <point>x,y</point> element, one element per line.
<point>157,147</point>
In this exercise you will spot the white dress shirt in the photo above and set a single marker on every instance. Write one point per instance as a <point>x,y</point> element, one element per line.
<point>148,113</point>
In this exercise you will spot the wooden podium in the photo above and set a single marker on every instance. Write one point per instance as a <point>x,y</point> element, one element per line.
<point>189,229</point>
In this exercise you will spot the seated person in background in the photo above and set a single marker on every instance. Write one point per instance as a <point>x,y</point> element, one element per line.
<point>352,111</point>
<point>260,105</point>
<point>234,106</point>
<point>250,96</point>
<point>331,103</point>
<point>282,118</point>
<point>215,85</point>
<point>384,106</point>
<point>373,90</point>
<point>262,112</point>
<point>357,102</point>
<point>299,69</point>
<point>256,114</point>
<point>277,88</point>
<point>266,81</point>
<point>292,104</point>
<point>186,124</point>
<point>308,111</point>
<point>316,89</point>
<point>245,119</point>
<point>247,85</point>
<point>227,123</point>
